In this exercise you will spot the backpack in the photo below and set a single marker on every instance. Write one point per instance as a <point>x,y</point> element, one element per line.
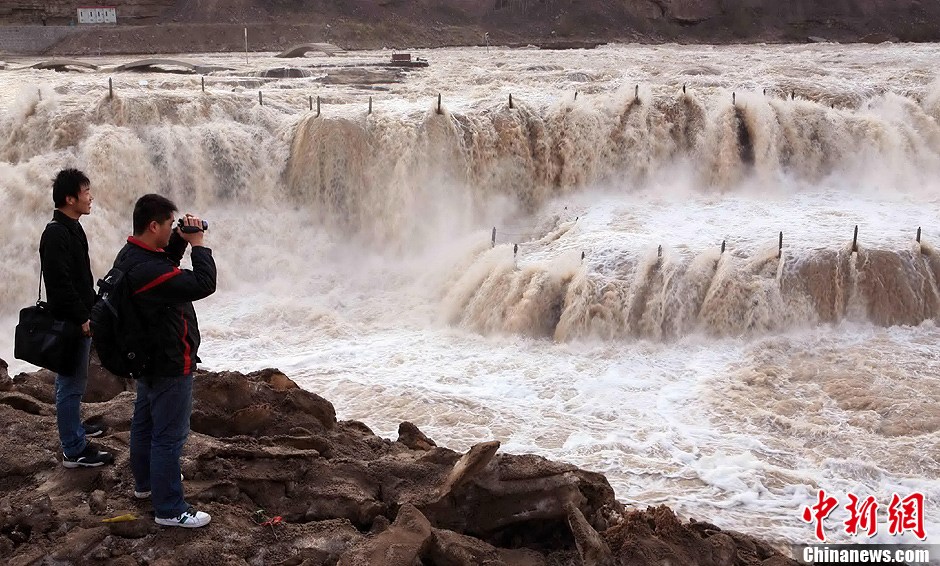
<point>117,331</point>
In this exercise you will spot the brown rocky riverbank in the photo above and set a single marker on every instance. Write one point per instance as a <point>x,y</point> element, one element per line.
<point>193,26</point>
<point>261,448</point>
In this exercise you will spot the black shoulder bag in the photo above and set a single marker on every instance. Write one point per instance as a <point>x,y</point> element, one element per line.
<point>45,341</point>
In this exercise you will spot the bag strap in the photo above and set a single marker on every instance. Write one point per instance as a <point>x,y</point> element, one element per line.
<point>39,298</point>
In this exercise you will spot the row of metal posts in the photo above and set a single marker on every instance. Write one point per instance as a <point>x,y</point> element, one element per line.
<point>659,251</point>
<point>636,95</point>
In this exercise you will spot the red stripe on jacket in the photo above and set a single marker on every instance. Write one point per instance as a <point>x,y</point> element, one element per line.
<point>187,360</point>
<point>162,279</point>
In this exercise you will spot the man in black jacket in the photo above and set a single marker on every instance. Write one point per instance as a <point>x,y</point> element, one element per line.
<point>63,254</point>
<point>162,295</point>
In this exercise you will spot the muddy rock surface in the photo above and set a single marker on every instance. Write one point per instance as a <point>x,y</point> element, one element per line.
<point>288,484</point>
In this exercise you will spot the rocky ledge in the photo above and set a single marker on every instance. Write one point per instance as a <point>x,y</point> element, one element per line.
<point>287,484</point>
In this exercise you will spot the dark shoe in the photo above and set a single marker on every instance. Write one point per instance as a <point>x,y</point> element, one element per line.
<point>91,457</point>
<point>95,430</point>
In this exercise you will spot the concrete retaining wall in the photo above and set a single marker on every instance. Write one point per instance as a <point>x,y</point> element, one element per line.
<point>32,40</point>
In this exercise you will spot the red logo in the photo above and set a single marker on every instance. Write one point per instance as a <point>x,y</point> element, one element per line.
<point>818,513</point>
<point>905,514</point>
<point>862,517</point>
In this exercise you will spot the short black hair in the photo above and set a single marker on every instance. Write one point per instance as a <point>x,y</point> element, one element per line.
<point>151,208</point>
<point>68,183</point>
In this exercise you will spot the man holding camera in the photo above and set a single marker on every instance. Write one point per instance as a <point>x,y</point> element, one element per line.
<point>162,295</point>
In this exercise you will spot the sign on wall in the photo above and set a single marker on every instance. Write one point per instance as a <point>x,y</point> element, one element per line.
<point>97,15</point>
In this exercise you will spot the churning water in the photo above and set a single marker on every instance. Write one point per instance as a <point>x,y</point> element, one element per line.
<point>355,251</point>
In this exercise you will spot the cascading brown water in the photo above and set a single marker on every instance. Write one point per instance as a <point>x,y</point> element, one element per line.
<point>354,251</point>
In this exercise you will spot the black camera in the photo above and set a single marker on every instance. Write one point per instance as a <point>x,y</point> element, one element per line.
<point>192,229</point>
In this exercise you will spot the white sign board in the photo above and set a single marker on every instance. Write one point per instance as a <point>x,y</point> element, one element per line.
<point>97,15</point>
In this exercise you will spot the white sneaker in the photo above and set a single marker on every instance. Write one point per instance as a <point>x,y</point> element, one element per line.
<point>189,519</point>
<point>146,494</point>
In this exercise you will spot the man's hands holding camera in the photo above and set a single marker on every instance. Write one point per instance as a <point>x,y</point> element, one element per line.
<point>192,229</point>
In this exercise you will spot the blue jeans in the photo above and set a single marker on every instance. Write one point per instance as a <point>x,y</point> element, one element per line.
<point>69,390</point>
<point>159,430</point>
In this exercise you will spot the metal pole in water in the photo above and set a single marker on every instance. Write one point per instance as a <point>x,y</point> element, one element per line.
<point>683,88</point>
<point>318,107</point>
<point>370,105</point>
<point>575,95</point>
<point>780,246</point>
<point>310,101</point>
<point>582,256</point>
<point>493,239</point>
<point>722,246</point>
<point>733,99</point>
<point>260,99</point>
<point>203,84</point>
<point>110,89</point>
<point>659,252</point>
<point>438,103</point>
<point>855,240</point>
<point>636,92</point>
<point>510,100</point>
<point>918,234</point>
<point>246,45</point>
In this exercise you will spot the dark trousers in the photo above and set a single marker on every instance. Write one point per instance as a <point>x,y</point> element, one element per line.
<point>158,432</point>
<point>69,390</point>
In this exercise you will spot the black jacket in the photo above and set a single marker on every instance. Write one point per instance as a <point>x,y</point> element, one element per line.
<point>163,294</point>
<point>63,254</point>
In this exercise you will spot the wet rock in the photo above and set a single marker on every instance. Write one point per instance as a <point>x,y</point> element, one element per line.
<point>779,560</point>
<point>379,524</point>
<point>137,528</point>
<point>229,403</point>
<point>724,551</point>
<point>6,384</point>
<point>38,516</point>
<point>469,465</point>
<point>39,385</point>
<point>410,436</point>
<point>98,502</point>
<point>451,549</point>
<point>301,442</point>
<point>402,544</point>
<point>330,484</point>
<point>78,542</point>
<point>104,385</point>
<point>277,380</point>
<point>25,403</point>
<point>594,551</point>
<point>251,419</point>
<point>314,406</point>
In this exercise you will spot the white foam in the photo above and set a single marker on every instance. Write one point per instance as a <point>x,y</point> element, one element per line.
<point>731,430</point>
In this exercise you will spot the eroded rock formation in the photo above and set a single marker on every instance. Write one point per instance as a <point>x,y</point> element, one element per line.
<point>261,447</point>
